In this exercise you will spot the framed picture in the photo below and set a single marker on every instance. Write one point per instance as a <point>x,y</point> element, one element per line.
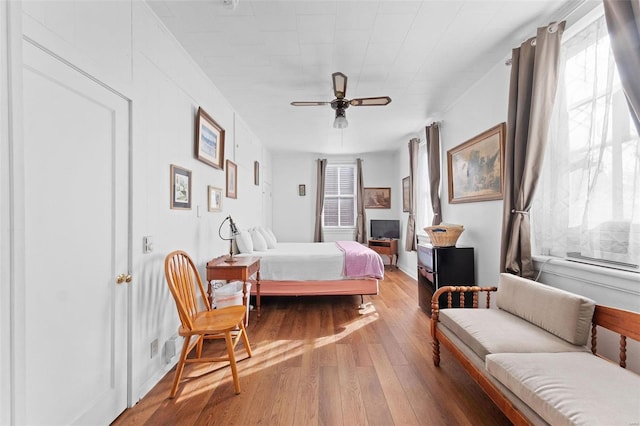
<point>232,179</point>
<point>256,173</point>
<point>209,140</point>
<point>377,198</point>
<point>406,187</point>
<point>476,167</point>
<point>215,198</point>
<point>180,188</point>
<point>302,190</point>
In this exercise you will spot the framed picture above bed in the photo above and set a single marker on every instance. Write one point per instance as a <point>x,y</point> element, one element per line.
<point>215,198</point>
<point>377,198</point>
<point>232,179</point>
<point>256,173</point>
<point>209,140</point>
<point>180,189</point>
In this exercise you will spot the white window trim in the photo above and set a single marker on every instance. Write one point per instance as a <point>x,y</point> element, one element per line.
<point>614,287</point>
<point>338,228</point>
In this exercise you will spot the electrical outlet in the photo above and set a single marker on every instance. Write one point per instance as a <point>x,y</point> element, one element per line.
<point>154,348</point>
<point>170,348</point>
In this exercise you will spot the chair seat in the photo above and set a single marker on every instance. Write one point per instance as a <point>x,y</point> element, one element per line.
<point>221,320</point>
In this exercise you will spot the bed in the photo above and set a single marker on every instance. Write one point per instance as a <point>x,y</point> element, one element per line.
<point>312,269</point>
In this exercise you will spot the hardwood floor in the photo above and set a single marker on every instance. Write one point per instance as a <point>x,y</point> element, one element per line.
<point>319,360</point>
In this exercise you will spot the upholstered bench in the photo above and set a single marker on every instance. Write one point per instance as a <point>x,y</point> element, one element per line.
<point>530,353</point>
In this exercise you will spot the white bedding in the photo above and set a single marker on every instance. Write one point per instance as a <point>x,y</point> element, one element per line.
<point>301,262</point>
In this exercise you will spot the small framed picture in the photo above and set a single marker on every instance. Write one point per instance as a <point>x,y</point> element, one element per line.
<point>180,188</point>
<point>302,190</point>
<point>215,198</point>
<point>256,173</point>
<point>232,179</point>
<point>377,198</point>
<point>209,140</point>
<point>405,194</point>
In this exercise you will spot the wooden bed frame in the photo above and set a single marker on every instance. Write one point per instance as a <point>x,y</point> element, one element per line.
<point>347,287</point>
<point>624,323</point>
<point>317,288</point>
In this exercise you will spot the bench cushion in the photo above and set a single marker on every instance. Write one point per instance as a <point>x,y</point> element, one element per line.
<point>488,331</point>
<point>570,388</point>
<point>564,314</point>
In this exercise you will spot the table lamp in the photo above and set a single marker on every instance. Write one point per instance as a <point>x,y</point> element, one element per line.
<point>234,233</point>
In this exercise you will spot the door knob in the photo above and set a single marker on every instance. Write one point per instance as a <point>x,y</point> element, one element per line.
<point>128,278</point>
<point>121,278</point>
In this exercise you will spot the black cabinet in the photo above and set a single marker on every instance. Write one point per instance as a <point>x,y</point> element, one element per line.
<point>442,266</point>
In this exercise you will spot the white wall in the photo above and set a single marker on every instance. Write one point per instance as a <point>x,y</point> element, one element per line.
<point>294,215</point>
<point>480,108</point>
<point>125,47</point>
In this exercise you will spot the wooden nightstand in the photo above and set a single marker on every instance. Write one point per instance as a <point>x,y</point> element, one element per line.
<point>386,247</point>
<point>241,270</point>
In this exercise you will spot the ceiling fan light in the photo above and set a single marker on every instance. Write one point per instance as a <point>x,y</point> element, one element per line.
<point>341,121</point>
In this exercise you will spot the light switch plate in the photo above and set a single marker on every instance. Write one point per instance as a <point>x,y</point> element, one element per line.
<point>147,244</point>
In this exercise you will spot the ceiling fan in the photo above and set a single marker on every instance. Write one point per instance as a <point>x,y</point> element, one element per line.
<point>340,103</point>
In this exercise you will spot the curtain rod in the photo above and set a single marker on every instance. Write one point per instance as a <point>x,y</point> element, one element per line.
<point>563,14</point>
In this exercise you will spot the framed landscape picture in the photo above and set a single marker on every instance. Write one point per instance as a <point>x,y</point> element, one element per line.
<point>476,167</point>
<point>180,188</point>
<point>377,198</point>
<point>209,140</point>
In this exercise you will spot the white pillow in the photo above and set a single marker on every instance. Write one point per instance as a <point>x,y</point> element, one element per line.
<point>270,232</point>
<point>244,242</point>
<point>259,244</point>
<point>271,242</point>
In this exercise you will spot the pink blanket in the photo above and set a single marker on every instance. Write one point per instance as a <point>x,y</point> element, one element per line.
<point>360,260</point>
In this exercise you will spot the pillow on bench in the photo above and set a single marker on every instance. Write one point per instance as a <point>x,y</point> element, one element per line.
<point>564,314</point>
<point>488,331</point>
<point>570,388</point>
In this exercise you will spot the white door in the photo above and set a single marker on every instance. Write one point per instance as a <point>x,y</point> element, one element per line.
<point>76,151</point>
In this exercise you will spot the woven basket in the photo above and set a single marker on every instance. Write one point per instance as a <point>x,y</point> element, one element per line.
<point>444,235</point>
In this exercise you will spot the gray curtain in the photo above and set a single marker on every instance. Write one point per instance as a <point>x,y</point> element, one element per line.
<point>623,23</point>
<point>532,89</point>
<point>433,155</point>
<point>410,242</point>
<point>361,221</point>
<point>322,167</point>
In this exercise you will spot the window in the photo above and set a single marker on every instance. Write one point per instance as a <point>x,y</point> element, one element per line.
<point>339,196</point>
<point>587,205</point>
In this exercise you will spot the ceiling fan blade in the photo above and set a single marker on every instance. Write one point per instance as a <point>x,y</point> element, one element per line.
<point>339,84</point>
<point>311,103</point>
<point>381,100</point>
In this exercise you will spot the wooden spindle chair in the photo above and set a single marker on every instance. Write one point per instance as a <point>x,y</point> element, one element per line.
<point>198,320</point>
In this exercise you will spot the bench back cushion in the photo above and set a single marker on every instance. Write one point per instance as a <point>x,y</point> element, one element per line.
<point>564,314</point>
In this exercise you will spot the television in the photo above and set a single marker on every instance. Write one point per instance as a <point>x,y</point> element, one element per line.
<point>384,228</point>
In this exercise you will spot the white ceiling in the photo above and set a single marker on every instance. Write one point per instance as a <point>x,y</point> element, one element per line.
<point>423,54</point>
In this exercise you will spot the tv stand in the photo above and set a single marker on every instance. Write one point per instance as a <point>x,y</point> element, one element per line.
<point>386,247</point>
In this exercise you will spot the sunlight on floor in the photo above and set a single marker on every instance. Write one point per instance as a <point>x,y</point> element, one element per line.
<point>265,355</point>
